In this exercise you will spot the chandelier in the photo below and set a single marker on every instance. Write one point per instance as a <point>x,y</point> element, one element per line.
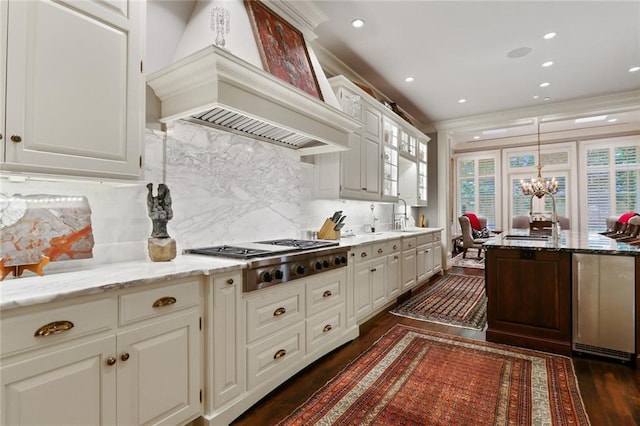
<point>539,186</point>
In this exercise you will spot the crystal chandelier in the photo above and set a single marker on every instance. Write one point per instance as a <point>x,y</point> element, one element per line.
<point>539,186</point>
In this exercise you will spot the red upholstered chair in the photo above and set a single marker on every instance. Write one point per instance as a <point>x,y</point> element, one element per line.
<point>467,235</point>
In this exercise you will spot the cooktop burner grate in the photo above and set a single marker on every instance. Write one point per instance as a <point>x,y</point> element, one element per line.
<point>303,244</point>
<point>231,251</point>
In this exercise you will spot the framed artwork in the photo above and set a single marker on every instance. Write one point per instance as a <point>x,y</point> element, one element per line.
<point>282,48</point>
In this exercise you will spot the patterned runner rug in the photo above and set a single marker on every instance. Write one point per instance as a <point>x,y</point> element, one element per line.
<point>457,300</point>
<point>414,377</point>
<point>469,262</point>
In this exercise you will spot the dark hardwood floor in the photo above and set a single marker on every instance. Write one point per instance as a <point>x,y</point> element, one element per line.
<point>610,390</point>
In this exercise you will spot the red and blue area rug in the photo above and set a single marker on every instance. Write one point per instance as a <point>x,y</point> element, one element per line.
<point>415,377</point>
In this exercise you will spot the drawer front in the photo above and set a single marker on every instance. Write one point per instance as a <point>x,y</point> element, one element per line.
<point>394,246</point>
<point>44,328</point>
<point>362,253</point>
<point>324,328</point>
<point>409,243</point>
<point>159,301</point>
<point>272,357</point>
<point>379,250</point>
<point>424,239</point>
<point>325,291</point>
<point>437,236</point>
<point>271,310</point>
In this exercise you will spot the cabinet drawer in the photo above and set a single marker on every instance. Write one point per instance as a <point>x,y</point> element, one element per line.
<point>379,250</point>
<point>394,246</point>
<point>35,330</point>
<point>273,357</point>
<point>325,291</point>
<point>409,243</point>
<point>159,301</point>
<point>270,310</point>
<point>362,254</point>
<point>424,239</point>
<point>437,236</point>
<point>323,328</point>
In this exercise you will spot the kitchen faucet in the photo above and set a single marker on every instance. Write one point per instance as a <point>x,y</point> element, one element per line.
<point>555,235</point>
<point>402,222</point>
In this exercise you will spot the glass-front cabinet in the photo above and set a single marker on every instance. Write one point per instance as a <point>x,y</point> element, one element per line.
<point>390,173</point>
<point>422,172</point>
<point>408,144</point>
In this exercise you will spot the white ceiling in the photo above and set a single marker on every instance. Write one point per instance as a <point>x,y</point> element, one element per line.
<point>457,49</point>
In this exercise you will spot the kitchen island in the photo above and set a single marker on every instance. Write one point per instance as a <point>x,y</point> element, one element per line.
<point>532,288</point>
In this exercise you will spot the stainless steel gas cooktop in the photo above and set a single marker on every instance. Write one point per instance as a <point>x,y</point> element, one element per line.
<point>278,261</point>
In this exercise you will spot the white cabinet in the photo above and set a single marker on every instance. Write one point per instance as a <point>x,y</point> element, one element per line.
<point>74,87</point>
<point>129,358</point>
<point>370,279</point>
<point>429,256</point>
<point>225,333</point>
<point>394,277</point>
<point>409,263</point>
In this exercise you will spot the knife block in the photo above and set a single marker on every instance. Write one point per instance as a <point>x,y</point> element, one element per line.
<point>326,232</point>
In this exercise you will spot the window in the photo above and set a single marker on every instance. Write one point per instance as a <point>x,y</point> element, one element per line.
<point>476,186</point>
<point>613,180</point>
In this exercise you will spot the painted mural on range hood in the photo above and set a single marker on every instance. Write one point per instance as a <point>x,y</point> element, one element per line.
<point>217,88</point>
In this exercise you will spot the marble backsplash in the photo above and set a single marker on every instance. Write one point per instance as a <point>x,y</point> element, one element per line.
<point>225,188</point>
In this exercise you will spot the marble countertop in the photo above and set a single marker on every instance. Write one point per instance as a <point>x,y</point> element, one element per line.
<point>34,290</point>
<point>573,241</point>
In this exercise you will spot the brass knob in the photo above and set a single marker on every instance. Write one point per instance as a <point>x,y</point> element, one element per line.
<point>124,356</point>
<point>164,301</point>
<point>380,251</point>
<point>279,354</point>
<point>363,254</point>
<point>53,328</point>
<point>0,136</point>
<point>16,138</point>
<point>279,311</point>
<point>395,246</point>
<point>326,293</point>
<point>327,328</point>
<point>230,281</point>
<point>111,360</point>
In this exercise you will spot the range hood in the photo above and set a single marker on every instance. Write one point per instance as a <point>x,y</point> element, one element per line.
<point>214,88</point>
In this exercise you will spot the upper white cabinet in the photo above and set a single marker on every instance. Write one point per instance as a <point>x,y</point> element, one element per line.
<point>74,87</point>
<point>379,152</point>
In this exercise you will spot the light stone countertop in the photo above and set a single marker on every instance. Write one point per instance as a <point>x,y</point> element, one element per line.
<point>31,290</point>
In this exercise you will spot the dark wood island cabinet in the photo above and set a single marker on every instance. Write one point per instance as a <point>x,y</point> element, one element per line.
<point>529,299</point>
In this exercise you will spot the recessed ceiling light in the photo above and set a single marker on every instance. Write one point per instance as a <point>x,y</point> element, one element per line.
<point>476,137</point>
<point>519,52</point>
<point>590,119</point>
<point>547,64</point>
<point>357,23</point>
<point>408,79</point>
<point>548,36</point>
<point>612,120</point>
<point>461,101</point>
<point>547,98</point>
<point>634,69</point>
<point>536,96</point>
<point>545,84</point>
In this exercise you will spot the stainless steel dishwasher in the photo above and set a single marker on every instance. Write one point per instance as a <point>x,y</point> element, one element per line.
<point>604,305</point>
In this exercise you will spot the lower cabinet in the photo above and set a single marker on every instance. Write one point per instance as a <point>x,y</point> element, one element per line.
<point>131,358</point>
<point>371,278</point>
<point>394,277</point>
<point>409,263</point>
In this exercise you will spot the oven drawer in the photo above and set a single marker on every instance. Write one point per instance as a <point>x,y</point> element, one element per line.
<point>324,328</point>
<point>325,290</point>
<point>272,309</point>
<point>272,358</point>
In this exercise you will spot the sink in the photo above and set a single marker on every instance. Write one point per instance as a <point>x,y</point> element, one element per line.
<point>526,237</point>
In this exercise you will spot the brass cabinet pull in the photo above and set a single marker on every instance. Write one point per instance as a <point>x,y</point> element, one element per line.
<point>16,138</point>
<point>373,270</point>
<point>327,328</point>
<point>380,251</point>
<point>124,356</point>
<point>53,328</point>
<point>0,136</point>
<point>164,301</point>
<point>279,311</point>
<point>395,257</point>
<point>279,354</point>
<point>111,360</point>
<point>363,254</point>
<point>230,281</point>
<point>326,293</point>
<point>395,246</point>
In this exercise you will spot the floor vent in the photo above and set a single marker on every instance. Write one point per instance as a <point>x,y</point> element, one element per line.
<point>596,350</point>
